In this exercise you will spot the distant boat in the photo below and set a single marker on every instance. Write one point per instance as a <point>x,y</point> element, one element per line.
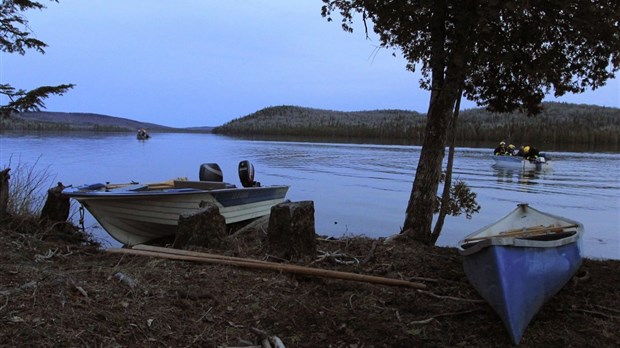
<point>137,213</point>
<point>518,162</point>
<point>519,262</point>
<point>142,134</point>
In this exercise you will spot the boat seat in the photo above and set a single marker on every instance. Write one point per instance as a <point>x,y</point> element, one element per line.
<point>201,185</point>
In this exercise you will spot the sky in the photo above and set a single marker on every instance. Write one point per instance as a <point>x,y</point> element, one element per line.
<point>203,63</point>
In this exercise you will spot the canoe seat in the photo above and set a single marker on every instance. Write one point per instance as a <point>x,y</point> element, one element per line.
<point>201,185</point>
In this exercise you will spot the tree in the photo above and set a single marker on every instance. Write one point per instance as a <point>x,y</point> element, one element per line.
<point>16,37</point>
<point>505,55</point>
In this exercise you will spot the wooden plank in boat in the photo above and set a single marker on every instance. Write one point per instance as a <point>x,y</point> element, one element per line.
<point>202,185</point>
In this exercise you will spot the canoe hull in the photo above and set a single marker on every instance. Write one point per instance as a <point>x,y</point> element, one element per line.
<point>516,276</point>
<point>542,272</point>
<point>138,217</point>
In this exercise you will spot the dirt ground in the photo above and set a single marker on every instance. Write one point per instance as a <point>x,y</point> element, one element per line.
<point>57,289</point>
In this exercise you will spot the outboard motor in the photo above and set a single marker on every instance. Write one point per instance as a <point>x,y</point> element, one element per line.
<point>210,172</point>
<point>246,174</point>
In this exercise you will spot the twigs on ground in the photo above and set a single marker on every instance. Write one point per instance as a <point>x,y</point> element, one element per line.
<point>449,297</point>
<point>430,319</point>
<point>267,341</point>
<point>371,253</point>
<point>24,287</point>
<point>337,257</point>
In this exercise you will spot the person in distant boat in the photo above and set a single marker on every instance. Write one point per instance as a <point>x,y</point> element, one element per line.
<point>142,133</point>
<point>501,150</point>
<point>512,150</point>
<point>530,152</point>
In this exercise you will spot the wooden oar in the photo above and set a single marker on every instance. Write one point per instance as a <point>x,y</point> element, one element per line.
<point>161,185</point>
<point>263,265</point>
<point>115,186</point>
<point>193,253</point>
<point>525,232</point>
<point>150,186</point>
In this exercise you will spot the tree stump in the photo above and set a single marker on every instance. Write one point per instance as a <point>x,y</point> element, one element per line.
<point>4,193</point>
<point>205,228</point>
<point>57,205</point>
<point>291,233</point>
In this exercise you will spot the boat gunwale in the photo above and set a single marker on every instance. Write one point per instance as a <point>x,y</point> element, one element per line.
<point>78,194</point>
<point>521,240</point>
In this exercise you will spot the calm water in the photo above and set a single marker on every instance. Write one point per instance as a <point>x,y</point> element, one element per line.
<point>356,189</point>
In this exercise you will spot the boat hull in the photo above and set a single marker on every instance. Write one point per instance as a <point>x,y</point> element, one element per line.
<point>137,217</point>
<point>518,162</point>
<point>516,276</point>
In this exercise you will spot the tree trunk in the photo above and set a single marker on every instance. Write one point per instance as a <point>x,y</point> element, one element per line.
<point>291,234</point>
<point>4,193</point>
<point>57,206</point>
<point>448,76</point>
<point>445,197</point>
<point>419,218</point>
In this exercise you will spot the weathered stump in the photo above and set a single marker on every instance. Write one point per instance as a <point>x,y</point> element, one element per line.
<point>4,193</point>
<point>205,228</point>
<point>57,205</point>
<point>291,233</point>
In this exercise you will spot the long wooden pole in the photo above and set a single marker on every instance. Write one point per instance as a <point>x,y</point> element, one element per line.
<point>263,265</point>
<point>193,253</point>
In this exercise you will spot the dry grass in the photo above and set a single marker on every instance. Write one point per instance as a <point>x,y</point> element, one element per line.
<point>27,187</point>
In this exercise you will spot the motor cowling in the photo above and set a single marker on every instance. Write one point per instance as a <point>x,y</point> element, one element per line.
<point>210,172</point>
<point>246,174</point>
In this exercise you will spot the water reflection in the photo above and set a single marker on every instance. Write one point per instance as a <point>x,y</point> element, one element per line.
<point>519,176</point>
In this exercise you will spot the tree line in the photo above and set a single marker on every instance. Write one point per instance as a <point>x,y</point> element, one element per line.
<point>558,123</point>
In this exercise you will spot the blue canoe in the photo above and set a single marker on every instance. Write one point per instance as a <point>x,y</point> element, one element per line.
<point>519,262</point>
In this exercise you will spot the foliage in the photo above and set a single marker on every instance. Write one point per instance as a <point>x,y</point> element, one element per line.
<point>513,52</point>
<point>505,55</point>
<point>23,101</point>
<point>462,200</point>
<point>15,37</point>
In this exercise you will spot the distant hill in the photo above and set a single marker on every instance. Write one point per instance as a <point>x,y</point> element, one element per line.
<point>86,121</point>
<point>559,123</point>
<point>295,120</point>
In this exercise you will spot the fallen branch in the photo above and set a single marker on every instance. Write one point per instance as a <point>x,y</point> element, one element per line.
<point>175,254</point>
<point>449,297</point>
<point>428,320</point>
<point>600,314</point>
<point>6,301</point>
<point>24,287</point>
<point>371,253</point>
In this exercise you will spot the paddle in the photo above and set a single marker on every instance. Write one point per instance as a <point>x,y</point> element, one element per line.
<point>150,186</point>
<point>525,232</point>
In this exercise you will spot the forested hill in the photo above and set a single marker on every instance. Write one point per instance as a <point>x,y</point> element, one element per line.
<point>80,121</point>
<point>559,123</point>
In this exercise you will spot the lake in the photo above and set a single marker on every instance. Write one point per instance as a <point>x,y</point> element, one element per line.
<point>357,189</point>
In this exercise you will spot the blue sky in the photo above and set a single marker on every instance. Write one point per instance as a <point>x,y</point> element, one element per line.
<point>203,63</point>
